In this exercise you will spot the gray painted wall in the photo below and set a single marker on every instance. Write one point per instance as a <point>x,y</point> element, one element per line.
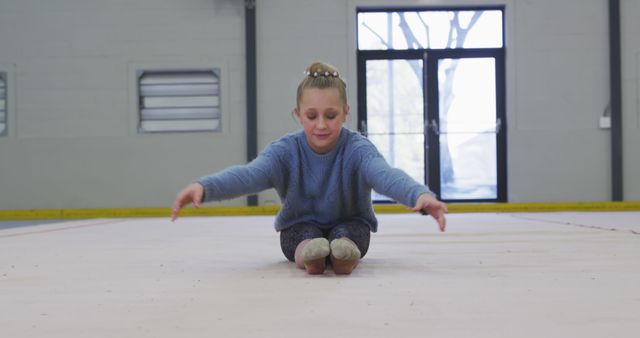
<point>558,90</point>
<point>73,143</point>
<point>631,97</point>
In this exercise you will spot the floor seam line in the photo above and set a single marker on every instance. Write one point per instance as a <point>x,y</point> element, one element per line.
<point>578,225</point>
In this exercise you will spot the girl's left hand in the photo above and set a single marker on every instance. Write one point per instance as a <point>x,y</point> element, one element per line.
<point>433,207</point>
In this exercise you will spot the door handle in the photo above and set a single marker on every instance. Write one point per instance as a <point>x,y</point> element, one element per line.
<point>363,128</point>
<point>433,125</point>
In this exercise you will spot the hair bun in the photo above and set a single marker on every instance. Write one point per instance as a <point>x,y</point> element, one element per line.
<point>319,69</point>
<point>321,75</point>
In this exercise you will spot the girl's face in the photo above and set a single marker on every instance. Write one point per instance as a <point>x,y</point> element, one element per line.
<point>322,113</point>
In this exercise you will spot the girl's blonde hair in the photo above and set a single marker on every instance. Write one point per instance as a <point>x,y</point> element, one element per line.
<point>321,75</point>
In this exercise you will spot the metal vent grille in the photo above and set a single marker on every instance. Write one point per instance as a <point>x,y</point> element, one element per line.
<point>179,100</point>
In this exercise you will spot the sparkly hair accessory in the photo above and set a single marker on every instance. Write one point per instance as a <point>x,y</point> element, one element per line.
<point>321,73</point>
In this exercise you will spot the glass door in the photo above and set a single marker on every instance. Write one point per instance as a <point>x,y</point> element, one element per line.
<point>395,114</point>
<point>466,129</point>
<point>439,116</point>
<point>431,96</point>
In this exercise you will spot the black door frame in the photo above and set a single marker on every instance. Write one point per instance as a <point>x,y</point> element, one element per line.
<point>430,59</point>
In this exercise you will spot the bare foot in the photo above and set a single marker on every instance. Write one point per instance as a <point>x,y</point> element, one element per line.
<point>316,267</point>
<point>311,255</point>
<point>345,256</point>
<point>342,267</point>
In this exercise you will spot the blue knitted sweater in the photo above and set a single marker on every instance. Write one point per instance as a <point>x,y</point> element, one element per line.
<point>324,190</point>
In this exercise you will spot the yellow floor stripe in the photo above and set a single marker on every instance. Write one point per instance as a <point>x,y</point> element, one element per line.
<point>526,207</point>
<point>272,210</point>
<point>546,207</point>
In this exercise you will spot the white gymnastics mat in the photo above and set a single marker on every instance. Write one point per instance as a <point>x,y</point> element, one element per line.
<point>490,275</point>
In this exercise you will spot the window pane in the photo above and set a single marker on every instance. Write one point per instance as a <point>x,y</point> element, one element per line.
<point>473,160</point>
<point>467,92</point>
<point>395,114</point>
<point>468,128</point>
<point>430,29</point>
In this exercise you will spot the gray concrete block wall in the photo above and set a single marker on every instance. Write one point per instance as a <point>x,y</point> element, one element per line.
<point>631,97</point>
<point>73,140</point>
<point>559,91</point>
<point>291,35</point>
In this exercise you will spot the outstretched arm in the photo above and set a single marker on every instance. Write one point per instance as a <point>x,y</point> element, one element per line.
<point>396,184</point>
<point>232,182</point>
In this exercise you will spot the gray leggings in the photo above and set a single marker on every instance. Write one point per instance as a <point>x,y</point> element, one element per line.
<point>356,231</point>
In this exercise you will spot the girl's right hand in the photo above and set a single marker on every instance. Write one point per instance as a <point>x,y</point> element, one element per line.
<point>190,194</point>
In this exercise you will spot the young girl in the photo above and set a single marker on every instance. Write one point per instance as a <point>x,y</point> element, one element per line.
<point>324,176</point>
